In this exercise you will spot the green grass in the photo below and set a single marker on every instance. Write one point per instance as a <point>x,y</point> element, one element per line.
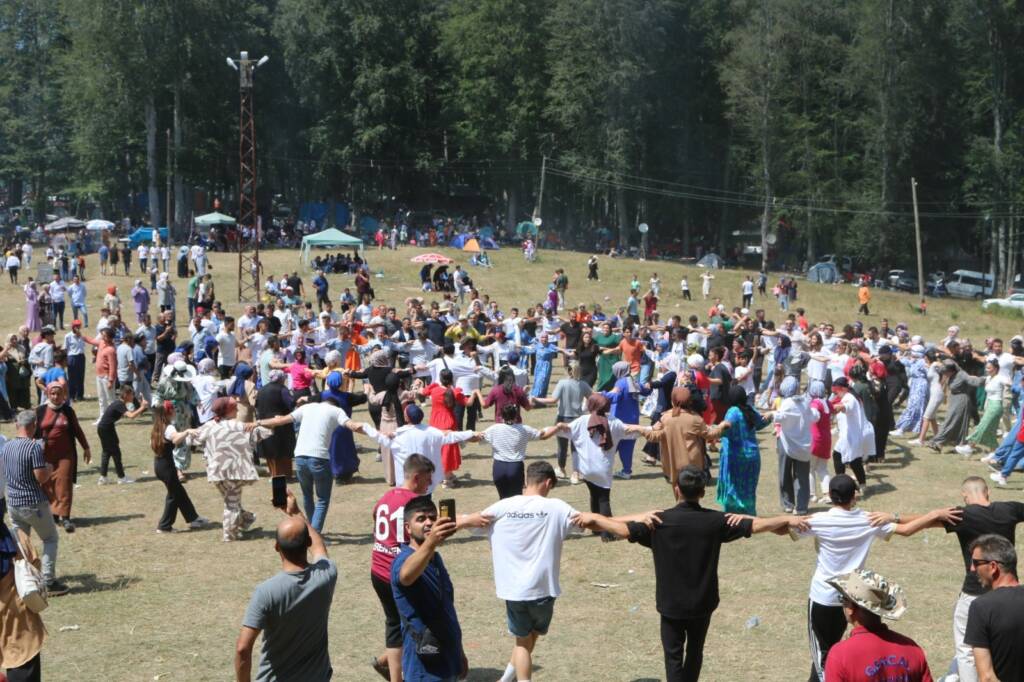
<point>154,607</point>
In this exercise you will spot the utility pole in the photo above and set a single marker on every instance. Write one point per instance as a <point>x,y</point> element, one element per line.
<point>248,264</point>
<point>540,194</point>
<point>917,240</point>
<point>167,212</point>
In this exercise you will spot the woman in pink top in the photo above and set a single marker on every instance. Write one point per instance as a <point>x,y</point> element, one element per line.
<point>821,437</point>
<point>302,376</point>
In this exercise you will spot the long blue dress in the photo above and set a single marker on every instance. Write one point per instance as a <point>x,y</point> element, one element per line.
<point>625,408</point>
<point>740,464</point>
<point>917,398</point>
<point>545,353</point>
<point>344,460</point>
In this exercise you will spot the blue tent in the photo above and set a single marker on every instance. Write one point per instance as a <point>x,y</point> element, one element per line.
<point>145,234</point>
<point>317,210</point>
<point>459,240</point>
<point>488,243</point>
<point>368,224</point>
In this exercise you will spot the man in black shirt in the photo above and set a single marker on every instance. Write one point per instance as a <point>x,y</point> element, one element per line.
<point>686,541</point>
<point>995,622</point>
<point>435,327</point>
<point>980,517</point>
<point>166,341</point>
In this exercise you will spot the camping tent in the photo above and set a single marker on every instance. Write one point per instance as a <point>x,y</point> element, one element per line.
<point>824,273</point>
<point>99,225</point>
<point>471,245</point>
<point>329,237</point>
<point>214,219</point>
<point>145,234</point>
<point>712,261</point>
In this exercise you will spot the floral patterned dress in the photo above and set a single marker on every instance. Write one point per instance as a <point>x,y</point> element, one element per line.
<point>740,464</point>
<point>917,399</point>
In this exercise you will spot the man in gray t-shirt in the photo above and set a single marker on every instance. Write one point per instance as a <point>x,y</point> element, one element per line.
<point>291,609</point>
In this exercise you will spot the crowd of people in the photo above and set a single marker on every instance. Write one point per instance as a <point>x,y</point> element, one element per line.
<point>276,387</point>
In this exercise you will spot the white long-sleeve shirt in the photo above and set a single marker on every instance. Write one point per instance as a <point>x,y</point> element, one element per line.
<point>418,439</point>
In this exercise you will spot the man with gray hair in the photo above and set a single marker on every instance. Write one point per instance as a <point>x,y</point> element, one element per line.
<point>26,471</point>
<point>995,622</point>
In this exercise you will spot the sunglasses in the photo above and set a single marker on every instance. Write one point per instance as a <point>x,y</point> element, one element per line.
<point>982,562</point>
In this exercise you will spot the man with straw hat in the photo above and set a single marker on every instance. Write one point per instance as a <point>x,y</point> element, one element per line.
<point>873,651</point>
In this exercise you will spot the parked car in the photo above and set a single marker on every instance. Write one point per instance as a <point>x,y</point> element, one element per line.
<point>970,284</point>
<point>892,277</point>
<point>1015,301</point>
<point>905,281</point>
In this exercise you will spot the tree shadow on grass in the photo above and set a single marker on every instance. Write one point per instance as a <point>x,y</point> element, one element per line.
<point>89,521</point>
<point>485,674</point>
<point>88,582</point>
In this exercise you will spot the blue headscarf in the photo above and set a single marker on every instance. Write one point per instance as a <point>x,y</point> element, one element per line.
<point>242,373</point>
<point>333,390</point>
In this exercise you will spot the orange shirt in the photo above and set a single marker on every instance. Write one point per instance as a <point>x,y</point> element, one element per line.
<point>106,361</point>
<point>864,295</point>
<point>632,351</point>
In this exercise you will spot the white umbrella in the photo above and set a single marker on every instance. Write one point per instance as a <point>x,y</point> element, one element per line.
<point>214,219</point>
<point>68,223</point>
<point>99,225</point>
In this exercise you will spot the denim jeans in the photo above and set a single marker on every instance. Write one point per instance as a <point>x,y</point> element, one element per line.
<point>314,475</point>
<point>40,519</point>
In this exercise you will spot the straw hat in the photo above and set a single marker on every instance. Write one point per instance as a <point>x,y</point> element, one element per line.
<point>872,592</point>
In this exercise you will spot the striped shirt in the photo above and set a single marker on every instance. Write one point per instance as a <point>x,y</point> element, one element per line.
<point>21,457</point>
<point>508,441</point>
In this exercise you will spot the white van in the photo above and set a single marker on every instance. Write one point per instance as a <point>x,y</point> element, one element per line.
<point>969,284</point>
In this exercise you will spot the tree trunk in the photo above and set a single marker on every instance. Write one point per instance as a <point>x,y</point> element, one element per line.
<point>622,214</point>
<point>181,207</point>
<point>151,161</point>
<point>512,206</point>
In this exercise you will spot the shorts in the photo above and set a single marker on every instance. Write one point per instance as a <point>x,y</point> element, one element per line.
<point>392,619</point>
<point>525,617</point>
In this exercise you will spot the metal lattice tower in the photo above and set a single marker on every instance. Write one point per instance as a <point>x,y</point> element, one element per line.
<point>248,251</point>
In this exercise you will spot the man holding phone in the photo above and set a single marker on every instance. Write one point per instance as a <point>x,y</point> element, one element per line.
<point>388,534</point>
<point>291,608</point>
<point>431,637</point>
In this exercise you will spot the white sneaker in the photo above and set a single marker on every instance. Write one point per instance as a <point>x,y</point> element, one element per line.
<point>574,479</point>
<point>124,480</point>
<point>199,523</point>
<point>916,442</point>
<point>102,480</point>
<point>559,473</point>
<point>989,459</point>
<point>896,433</point>
<point>965,450</point>
<point>998,478</point>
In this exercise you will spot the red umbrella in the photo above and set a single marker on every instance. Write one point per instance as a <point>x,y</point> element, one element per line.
<point>431,258</point>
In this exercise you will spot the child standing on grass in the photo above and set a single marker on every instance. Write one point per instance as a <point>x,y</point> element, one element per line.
<point>105,428</point>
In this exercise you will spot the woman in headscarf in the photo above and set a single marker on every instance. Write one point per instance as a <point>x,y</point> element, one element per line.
<point>275,400</point>
<point>111,301</point>
<point>917,399</point>
<point>228,446</point>
<point>740,462</point>
<point>821,438</point>
<point>595,436</point>
<point>606,340</point>
<point>626,408</point>
<point>163,439</point>
<point>444,396</point>
<point>342,453</point>
<point>57,424</point>
<point>32,319</point>
<point>861,387</point>
<point>937,379</point>
<point>793,446</point>
<point>663,385</point>
<point>140,300</point>
<point>243,390</point>
<point>851,443</point>
<point>569,395</point>
<point>165,292</point>
<point>19,372</point>
<point>381,366</point>
<point>681,435</point>
<point>208,387</point>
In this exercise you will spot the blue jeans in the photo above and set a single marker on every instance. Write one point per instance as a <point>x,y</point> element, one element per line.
<point>314,475</point>
<point>1016,455</point>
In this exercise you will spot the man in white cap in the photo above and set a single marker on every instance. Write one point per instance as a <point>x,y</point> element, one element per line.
<point>873,651</point>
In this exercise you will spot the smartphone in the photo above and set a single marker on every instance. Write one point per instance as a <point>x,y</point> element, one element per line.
<point>446,509</point>
<point>279,490</point>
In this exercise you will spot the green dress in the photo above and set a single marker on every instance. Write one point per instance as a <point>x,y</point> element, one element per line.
<point>984,434</point>
<point>605,361</point>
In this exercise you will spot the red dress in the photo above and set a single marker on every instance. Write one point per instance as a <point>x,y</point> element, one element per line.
<point>443,418</point>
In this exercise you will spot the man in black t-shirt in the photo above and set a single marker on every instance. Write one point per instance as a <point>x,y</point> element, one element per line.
<point>980,517</point>
<point>166,341</point>
<point>686,541</point>
<point>995,621</point>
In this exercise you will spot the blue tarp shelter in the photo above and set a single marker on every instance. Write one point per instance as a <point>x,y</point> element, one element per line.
<point>145,234</point>
<point>317,210</point>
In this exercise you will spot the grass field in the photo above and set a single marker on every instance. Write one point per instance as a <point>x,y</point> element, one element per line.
<point>158,607</point>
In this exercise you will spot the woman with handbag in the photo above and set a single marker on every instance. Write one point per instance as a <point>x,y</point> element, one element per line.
<point>21,630</point>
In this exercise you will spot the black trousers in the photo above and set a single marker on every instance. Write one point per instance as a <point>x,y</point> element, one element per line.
<point>58,312</point>
<point>392,618</point>
<point>468,414</point>
<point>856,465</point>
<point>111,445</point>
<point>27,672</point>
<point>76,377</point>
<point>601,503</point>
<point>563,444</point>
<point>509,478</point>
<point>686,295</point>
<point>825,627</point>
<point>683,642</point>
<point>748,300</point>
<point>177,497</point>
<point>863,309</point>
